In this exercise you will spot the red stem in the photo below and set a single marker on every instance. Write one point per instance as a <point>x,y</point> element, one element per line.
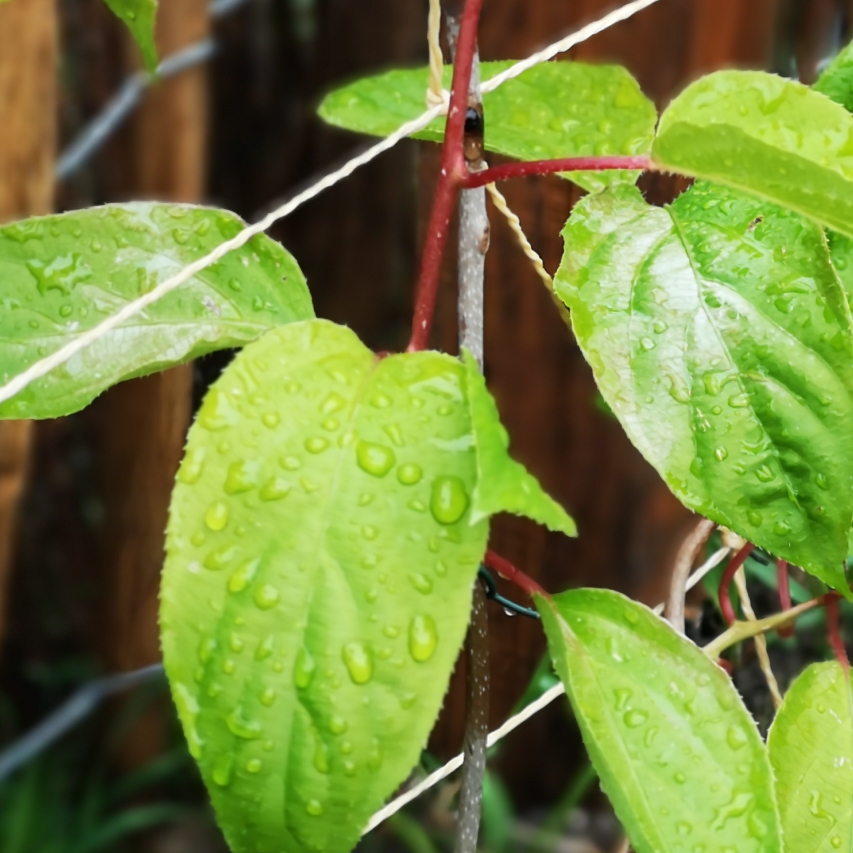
<point>453,173</point>
<point>550,167</point>
<point>507,570</point>
<point>728,576</point>
<point>833,633</point>
<point>783,581</point>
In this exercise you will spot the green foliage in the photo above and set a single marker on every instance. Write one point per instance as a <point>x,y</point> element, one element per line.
<point>322,546</point>
<point>768,136</point>
<point>139,16</point>
<point>676,750</point>
<point>719,335</point>
<point>811,749</point>
<point>836,82</point>
<point>64,274</point>
<point>558,109</point>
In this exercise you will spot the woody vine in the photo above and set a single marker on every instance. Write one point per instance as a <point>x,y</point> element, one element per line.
<point>332,509</point>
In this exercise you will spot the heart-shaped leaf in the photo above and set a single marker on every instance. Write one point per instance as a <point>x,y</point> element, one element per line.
<point>771,137</point>
<point>557,109</point>
<point>811,749</point>
<point>720,337</point>
<point>62,275</point>
<point>139,16</point>
<point>677,752</point>
<point>321,552</point>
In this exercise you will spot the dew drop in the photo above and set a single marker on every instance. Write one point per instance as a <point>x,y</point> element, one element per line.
<point>275,489</point>
<point>193,466</point>
<point>721,454</point>
<point>241,727</point>
<point>253,765</point>
<point>359,661</point>
<point>216,517</point>
<point>409,474</point>
<point>421,583</point>
<point>321,756</point>
<point>316,444</point>
<point>391,631</point>
<point>635,718</point>
<point>220,558</point>
<point>265,647</point>
<point>303,672</point>
<point>338,725</point>
<point>680,778</point>
<point>369,532</point>
<point>243,576</point>
<point>394,432</point>
<point>266,596</point>
<point>314,808</point>
<point>380,401</point>
<point>423,637</point>
<point>735,738</point>
<point>375,459</point>
<point>349,768</point>
<point>268,697</point>
<point>240,478</point>
<point>449,499</point>
<point>290,463</point>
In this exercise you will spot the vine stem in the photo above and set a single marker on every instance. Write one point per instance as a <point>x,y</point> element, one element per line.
<point>473,245</point>
<point>833,633</point>
<point>549,167</point>
<point>784,584</point>
<point>507,570</point>
<point>453,173</point>
<point>726,581</point>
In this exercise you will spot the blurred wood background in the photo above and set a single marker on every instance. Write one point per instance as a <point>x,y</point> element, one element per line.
<point>242,134</point>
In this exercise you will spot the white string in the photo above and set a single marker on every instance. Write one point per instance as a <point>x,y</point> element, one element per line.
<point>514,722</point>
<point>567,43</point>
<point>62,355</point>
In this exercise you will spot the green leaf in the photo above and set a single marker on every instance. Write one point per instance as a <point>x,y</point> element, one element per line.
<point>321,552</point>
<point>836,82</point>
<point>139,17</point>
<point>720,337</point>
<point>677,752</point>
<point>504,485</point>
<point>767,136</point>
<point>811,749</point>
<point>62,275</point>
<point>557,109</point>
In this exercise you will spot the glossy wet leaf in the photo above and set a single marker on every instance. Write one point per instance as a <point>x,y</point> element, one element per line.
<point>317,588</point>
<point>677,752</point>
<point>836,82</point>
<point>139,16</point>
<point>771,137</point>
<point>720,337</point>
<point>811,749</point>
<point>557,109</point>
<point>504,485</point>
<point>62,275</point>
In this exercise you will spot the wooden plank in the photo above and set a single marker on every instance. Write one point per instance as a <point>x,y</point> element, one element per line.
<point>28,61</point>
<point>142,424</point>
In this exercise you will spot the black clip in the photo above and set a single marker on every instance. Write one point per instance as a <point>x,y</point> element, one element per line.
<point>510,607</point>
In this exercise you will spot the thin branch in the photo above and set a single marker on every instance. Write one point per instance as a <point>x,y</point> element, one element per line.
<point>473,245</point>
<point>453,173</point>
<point>726,581</point>
<point>551,167</point>
<point>686,557</point>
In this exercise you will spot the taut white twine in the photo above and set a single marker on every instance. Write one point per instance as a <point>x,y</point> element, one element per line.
<point>514,722</point>
<point>62,355</point>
